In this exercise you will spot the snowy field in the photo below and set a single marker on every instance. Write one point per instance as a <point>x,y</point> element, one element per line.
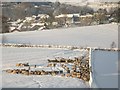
<point>104,68</point>
<point>92,36</point>
<point>38,56</point>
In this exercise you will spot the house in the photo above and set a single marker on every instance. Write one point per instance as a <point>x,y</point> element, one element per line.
<point>43,16</point>
<point>86,19</point>
<point>88,16</point>
<point>67,18</point>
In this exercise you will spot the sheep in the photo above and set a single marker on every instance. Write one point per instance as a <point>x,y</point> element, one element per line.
<point>18,64</point>
<point>43,72</point>
<point>74,76</point>
<point>31,73</point>
<point>22,64</point>
<point>9,71</point>
<point>26,64</point>
<point>39,73</point>
<point>78,75</point>
<point>53,73</point>
<point>51,65</point>
<point>62,75</point>
<point>26,73</point>
<point>15,71</point>
<point>35,72</point>
<point>68,75</point>
<point>85,78</point>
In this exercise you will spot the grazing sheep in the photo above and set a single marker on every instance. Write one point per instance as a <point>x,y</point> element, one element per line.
<point>83,66</point>
<point>68,75</point>
<point>53,64</point>
<point>43,72</point>
<point>31,73</point>
<point>53,73</point>
<point>39,73</point>
<point>74,76</point>
<point>22,64</point>
<point>62,75</point>
<point>85,78</point>
<point>26,73</point>
<point>78,75</point>
<point>15,72</point>
<point>19,64</point>
<point>68,71</point>
<point>9,71</point>
<point>35,72</point>
<point>49,65</point>
<point>25,64</point>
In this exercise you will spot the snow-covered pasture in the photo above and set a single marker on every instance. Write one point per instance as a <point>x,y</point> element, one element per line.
<point>93,36</point>
<point>13,55</point>
<point>104,68</point>
<point>38,56</point>
<point>104,63</point>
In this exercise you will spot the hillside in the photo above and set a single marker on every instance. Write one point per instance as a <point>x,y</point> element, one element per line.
<point>91,36</point>
<point>20,10</point>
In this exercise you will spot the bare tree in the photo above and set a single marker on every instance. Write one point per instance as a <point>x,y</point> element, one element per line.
<point>5,25</point>
<point>113,45</point>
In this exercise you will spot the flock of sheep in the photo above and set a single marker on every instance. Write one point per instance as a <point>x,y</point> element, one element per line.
<point>79,65</point>
<point>76,68</point>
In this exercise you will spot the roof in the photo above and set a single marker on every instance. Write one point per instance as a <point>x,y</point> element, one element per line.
<point>88,15</point>
<point>15,30</point>
<point>67,15</point>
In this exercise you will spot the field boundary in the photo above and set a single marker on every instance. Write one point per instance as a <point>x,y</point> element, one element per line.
<point>56,46</point>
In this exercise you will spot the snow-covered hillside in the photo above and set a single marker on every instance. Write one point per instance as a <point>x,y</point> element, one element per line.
<point>92,36</point>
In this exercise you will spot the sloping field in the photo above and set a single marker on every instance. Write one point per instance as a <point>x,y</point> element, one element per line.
<point>91,36</point>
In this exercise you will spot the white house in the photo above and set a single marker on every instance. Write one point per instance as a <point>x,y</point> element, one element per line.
<point>69,18</point>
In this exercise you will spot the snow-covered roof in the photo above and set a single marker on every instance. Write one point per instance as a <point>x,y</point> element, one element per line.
<point>43,15</point>
<point>34,16</point>
<point>40,24</point>
<point>29,18</point>
<point>71,15</point>
<point>11,28</point>
<point>67,15</point>
<point>19,20</point>
<point>88,15</point>
<point>36,6</point>
<point>15,30</point>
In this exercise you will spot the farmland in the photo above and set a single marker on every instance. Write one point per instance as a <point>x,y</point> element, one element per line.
<point>92,36</point>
